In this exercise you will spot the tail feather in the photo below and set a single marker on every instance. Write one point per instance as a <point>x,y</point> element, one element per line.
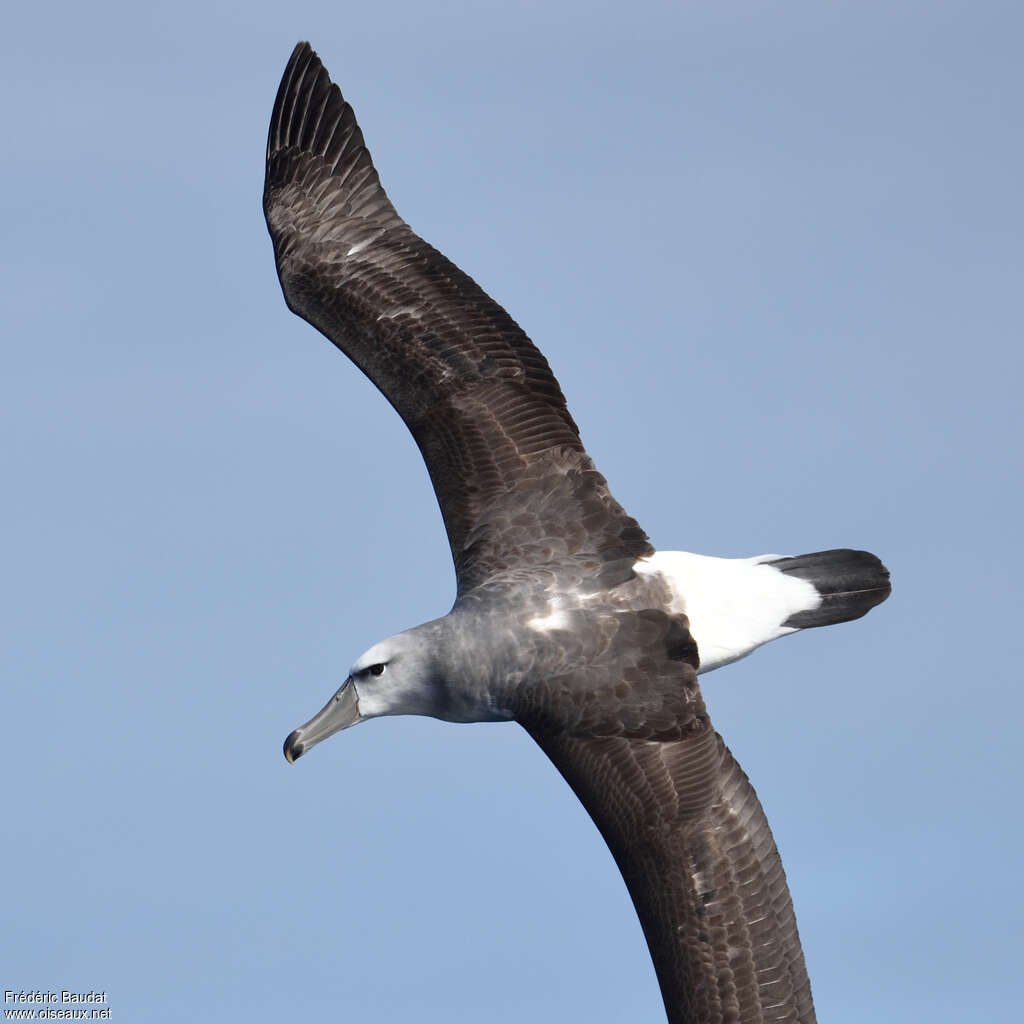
<point>850,583</point>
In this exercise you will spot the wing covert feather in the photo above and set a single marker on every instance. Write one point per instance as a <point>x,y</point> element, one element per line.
<point>694,847</point>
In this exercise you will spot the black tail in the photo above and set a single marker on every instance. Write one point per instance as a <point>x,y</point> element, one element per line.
<point>851,583</point>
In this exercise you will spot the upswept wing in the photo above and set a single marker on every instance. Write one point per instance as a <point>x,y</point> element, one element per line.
<point>513,481</point>
<point>693,845</point>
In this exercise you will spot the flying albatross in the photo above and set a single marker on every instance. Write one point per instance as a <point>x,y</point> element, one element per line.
<point>566,619</point>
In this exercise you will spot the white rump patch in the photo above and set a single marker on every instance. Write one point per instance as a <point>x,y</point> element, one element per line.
<point>734,604</point>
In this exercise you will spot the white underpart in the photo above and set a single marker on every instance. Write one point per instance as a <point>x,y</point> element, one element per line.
<point>734,604</point>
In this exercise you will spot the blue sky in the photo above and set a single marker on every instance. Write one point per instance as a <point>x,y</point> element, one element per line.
<point>773,253</point>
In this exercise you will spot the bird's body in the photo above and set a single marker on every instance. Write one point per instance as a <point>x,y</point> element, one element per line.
<point>567,620</point>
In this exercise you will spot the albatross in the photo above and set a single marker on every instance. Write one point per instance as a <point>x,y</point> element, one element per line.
<point>566,620</point>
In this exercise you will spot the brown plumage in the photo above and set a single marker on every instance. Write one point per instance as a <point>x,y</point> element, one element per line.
<point>694,847</point>
<point>609,691</point>
<point>477,395</point>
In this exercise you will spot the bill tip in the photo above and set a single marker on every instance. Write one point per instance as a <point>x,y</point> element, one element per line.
<point>292,747</point>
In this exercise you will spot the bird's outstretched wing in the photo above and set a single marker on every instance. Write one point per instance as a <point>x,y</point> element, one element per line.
<point>693,845</point>
<point>513,481</point>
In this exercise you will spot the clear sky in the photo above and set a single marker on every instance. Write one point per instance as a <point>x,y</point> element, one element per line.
<point>773,253</point>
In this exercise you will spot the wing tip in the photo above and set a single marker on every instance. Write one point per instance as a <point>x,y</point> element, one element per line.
<point>314,136</point>
<point>290,92</point>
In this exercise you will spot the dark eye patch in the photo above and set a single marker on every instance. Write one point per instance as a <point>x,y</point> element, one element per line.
<point>376,670</point>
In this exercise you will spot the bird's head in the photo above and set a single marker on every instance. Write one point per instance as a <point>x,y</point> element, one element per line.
<point>397,676</point>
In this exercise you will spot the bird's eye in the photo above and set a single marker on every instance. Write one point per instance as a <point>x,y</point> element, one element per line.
<point>376,670</point>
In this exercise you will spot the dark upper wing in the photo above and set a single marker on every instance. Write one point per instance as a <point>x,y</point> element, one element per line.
<point>695,849</point>
<point>511,475</point>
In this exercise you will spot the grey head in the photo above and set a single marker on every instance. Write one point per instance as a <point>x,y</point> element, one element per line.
<point>420,671</point>
<point>398,676</point>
